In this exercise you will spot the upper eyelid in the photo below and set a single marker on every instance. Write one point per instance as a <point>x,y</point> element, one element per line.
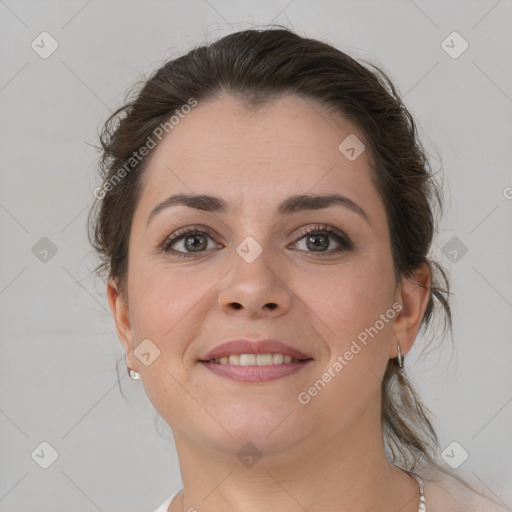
<point>168,240</point>
<point>301,233</point>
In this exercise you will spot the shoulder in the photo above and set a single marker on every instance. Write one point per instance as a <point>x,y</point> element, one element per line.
<point>444,492</point>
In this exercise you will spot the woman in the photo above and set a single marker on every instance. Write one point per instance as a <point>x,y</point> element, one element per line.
<point>265,221</point>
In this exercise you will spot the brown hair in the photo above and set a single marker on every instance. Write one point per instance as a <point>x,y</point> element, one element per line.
<point>259,65</point>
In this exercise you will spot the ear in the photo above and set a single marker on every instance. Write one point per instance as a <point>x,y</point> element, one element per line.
<point>413,293</point>
<point>120,312</point>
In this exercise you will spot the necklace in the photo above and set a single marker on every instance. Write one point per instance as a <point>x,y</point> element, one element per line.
<point>422,505</point>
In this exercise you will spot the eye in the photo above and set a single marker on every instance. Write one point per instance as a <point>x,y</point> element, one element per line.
<point>192,239</point>
<point>317,239</point>
<point>195,239</point>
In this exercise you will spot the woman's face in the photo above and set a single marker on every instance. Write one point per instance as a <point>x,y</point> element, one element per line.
<point>253,273</point>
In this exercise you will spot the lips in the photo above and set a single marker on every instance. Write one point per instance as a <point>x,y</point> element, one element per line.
<point>242,346</point>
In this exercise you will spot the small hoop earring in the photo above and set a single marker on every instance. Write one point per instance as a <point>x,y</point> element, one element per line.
<point>400,364</point>
<point>133,374</point>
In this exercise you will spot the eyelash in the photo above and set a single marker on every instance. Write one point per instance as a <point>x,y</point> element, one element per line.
<point>318,229</point>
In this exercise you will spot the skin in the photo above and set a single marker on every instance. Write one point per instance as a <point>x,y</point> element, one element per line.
<point>327,455</point>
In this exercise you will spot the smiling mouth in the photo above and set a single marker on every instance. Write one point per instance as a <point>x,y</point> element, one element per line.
<point>246,368</point>
<point>256,360</point>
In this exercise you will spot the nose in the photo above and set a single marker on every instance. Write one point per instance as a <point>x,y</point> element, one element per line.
<point>255,289</point>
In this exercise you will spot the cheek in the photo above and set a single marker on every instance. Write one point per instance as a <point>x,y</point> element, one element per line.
<point>167,306</point>
<point>350,297</point>
<point>347,306</point>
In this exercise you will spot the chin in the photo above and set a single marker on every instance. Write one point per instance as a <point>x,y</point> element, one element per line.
<point>269,428</point>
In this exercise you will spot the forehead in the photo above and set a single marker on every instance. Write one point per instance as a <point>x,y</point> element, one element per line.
<point>289,146</point>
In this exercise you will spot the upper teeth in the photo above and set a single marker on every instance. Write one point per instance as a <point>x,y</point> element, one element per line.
<point>255,359</point>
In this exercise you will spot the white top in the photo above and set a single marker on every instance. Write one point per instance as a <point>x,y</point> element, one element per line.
<point>165,505</point>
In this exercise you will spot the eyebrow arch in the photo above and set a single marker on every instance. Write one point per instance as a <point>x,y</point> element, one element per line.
<point>293,204</point>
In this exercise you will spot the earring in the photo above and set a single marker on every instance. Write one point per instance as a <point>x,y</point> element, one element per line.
<point>133,374</point>
<point>400,359</point>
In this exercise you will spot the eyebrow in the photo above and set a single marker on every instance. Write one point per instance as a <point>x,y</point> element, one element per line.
<point>293,204</point>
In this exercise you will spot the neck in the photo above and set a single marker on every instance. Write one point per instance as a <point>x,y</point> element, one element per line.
<point>347,471</point>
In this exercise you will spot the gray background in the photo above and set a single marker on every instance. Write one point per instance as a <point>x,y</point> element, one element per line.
<point>58,376</point>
